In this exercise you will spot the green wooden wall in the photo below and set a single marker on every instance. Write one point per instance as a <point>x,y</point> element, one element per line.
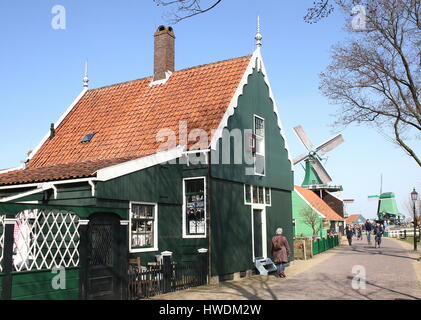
<point>231,248</point>
<point>256,101</point>
<point>37,285</point>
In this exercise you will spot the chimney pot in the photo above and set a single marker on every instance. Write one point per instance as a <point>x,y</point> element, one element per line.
<point>164,52</point>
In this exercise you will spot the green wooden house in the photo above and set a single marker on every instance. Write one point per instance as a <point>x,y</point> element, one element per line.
<point>181,161</point>
<point>313,216</point>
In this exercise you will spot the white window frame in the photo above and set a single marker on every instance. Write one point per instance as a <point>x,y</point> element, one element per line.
<point>184,231</point>
<point>264,144</point>
<point>155,236</point>
<point>251,203</point>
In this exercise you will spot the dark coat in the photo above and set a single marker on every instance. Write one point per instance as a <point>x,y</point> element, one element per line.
<point>282,254</point>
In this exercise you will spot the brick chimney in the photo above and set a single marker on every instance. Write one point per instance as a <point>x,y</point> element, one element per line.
<point>164,52</point>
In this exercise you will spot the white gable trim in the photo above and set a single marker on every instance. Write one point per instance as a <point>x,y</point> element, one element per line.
<point>58,122</point>
<point>309,204</point>
<point>128,167</point>
<point>256,60</point>
<point>21,167</point>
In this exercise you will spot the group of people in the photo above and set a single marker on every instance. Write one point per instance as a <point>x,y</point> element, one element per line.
<point>370,228</point>
<point>281,250</point>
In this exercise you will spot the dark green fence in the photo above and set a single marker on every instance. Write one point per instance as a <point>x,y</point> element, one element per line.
<point>324,244</point>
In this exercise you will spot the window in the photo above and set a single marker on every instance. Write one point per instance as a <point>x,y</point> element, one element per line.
<point>87,138</point>
<point>257,195</point>
<point>259,131</point>
<point>247,194</point>
<point>268,199</point>
<point>194,215</point>
<point>143,227</point>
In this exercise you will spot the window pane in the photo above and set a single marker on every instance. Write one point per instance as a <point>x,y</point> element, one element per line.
<point>142,226</point>
<point>267,194</point>
<point>255,195</point>
<point>261,195</point>
<point>248,193</point>
<point>195,206</point>
<point>259,127</point>
<point>259,165</point>
<point>260,146</point>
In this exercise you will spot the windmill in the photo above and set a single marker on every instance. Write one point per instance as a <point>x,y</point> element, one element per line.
<point>387,208</point>
<point>316,176</point>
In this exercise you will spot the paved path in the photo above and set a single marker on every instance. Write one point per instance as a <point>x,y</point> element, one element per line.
<point>390,274</point>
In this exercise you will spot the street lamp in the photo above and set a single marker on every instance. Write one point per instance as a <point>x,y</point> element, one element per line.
<point>414,197</point>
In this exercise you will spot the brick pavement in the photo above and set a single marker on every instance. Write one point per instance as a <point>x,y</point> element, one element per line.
<point>390,273</point>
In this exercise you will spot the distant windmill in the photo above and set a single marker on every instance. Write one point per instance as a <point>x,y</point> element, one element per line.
<point>316,174</point>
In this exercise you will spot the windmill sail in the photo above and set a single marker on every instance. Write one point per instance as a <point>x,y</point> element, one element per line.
<point>330,144</point>
<point>321,171</point>
<point>303,137</point>
<point>299,158</point>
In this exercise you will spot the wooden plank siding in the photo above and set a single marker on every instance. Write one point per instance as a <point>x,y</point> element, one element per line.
<point>37,285</point>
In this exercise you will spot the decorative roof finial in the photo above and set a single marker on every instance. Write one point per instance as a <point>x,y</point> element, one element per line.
<point>258,36</point>
<point>85,78</point>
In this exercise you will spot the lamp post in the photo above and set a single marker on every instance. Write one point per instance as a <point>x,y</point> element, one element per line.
<point>414,197</point>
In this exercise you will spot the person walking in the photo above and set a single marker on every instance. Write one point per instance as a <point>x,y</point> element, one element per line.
<point>359,233</point>
<point>349,233</point>
<point>368,229</point>
<point>378,231</point>
<point>280,252</point>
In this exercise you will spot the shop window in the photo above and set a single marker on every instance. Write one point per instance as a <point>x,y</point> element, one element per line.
<point>194,215</point>
<point>143,227</point>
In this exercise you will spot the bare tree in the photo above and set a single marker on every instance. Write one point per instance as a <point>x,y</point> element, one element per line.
<point>375,75</point>
<point>186,8</point>
<point>320,9</point>
<point>312,219</point>
<point>183,9</point>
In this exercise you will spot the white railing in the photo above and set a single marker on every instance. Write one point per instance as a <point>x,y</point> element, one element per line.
<point>400,233</point>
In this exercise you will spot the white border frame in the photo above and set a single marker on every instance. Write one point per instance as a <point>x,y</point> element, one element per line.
<point>183,213</point>
<point>155,236</point>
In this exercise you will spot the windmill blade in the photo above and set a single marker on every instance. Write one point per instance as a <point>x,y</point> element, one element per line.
<point>300,158</point>
<point>303,137</point>
<point>330,144</point>
<point>321,171</point>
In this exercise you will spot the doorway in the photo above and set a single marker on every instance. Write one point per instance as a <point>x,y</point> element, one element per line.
<point>259,233</point>
<point>104,278</point>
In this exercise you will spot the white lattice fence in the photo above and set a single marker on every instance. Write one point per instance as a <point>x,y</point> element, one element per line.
<point>44,239</point>
<point>1,241</point>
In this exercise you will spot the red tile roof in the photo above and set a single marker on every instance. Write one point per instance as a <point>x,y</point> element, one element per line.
<point>352,218</point>
<point>318,204</point>
<point>126,118</point>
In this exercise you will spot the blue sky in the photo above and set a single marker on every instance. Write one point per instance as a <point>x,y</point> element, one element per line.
<point>41,72</point>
